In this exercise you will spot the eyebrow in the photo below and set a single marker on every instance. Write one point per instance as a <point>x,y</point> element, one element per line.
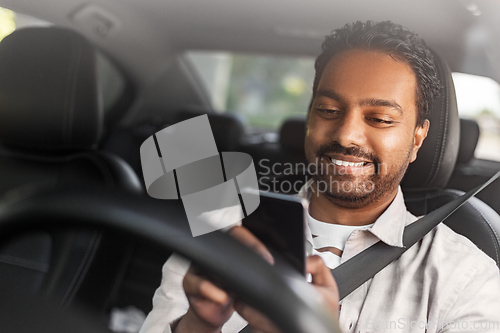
<point>331,94</point>
<point>382,102</point>
<point>367,102</point>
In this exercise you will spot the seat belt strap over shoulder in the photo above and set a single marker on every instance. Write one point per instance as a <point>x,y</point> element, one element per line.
<point>363,266</point>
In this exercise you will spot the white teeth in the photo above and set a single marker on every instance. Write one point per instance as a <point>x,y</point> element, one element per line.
<point>344,163</point>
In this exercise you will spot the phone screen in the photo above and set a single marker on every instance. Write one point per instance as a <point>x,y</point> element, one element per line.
<point>278,222</point>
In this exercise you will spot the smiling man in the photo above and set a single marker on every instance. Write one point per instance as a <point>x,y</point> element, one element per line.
<point>372,93</point>
<point>365,127</point>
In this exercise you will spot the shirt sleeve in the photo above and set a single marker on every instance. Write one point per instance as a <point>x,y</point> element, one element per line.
<point>477,306</point>
<point>170,302</point>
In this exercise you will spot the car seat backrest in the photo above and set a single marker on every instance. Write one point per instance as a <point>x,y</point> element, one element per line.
<point>228,129</point>
<point>469,136</point>
<point>424,184</point>
<point>470,171</point>
<point>50,98</point>
<point>292,135</point>
<point>50,125</point>
<point>438,154</point>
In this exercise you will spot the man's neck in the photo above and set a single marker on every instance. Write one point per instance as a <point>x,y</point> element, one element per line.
<point>322,209</point>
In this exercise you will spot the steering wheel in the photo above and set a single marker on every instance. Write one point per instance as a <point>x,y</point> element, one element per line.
<point>291,303</point>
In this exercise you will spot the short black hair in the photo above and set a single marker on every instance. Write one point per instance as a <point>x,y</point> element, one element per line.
<point>393,39</point>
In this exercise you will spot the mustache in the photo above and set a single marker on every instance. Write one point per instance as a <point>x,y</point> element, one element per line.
<point>355,151</point>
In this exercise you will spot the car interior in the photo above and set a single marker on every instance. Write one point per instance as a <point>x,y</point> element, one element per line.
<point>84,84</point>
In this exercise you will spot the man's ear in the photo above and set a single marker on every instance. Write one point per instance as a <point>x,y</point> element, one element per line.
<point>419,137</point>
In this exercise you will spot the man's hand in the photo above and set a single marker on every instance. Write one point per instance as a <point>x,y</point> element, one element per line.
<point>324,282</point>
<point>322,279</point>
<point>258,322</point>
<point>209,306</point>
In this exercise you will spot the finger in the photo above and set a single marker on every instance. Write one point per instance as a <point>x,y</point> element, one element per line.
<point>321,275</point>
<point>324,282</point>
<point>256,320</point>
<point>244,236</point>
<point>197,286</point>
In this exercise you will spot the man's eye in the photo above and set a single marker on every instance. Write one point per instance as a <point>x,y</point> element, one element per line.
<point>381,121</point>
<point>328,112</point>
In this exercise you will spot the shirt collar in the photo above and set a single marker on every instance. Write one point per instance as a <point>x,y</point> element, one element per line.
<point>389,227</point>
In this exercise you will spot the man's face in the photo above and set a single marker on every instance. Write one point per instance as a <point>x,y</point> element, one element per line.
<point>363,114</point>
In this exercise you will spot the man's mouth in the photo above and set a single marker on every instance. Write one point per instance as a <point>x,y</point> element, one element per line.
<point>346,163</point>
<point>347,160</point>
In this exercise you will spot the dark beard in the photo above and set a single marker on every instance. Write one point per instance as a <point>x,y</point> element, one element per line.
<point>361,190</point>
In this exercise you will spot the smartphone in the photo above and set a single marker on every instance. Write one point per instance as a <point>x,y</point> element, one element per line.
<point>279,223</point>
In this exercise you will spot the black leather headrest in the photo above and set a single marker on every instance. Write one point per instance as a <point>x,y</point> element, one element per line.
<point>292,134</point>
<point>228,129</point>
<point>438,154</point>
<point>469,135</point>
<point>49,96</point>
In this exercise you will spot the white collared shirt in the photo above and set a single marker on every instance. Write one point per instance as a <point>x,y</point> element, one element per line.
<point>322,235</point>
<point>444,283</point>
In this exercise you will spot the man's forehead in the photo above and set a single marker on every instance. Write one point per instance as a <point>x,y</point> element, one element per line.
<point>367,75</point>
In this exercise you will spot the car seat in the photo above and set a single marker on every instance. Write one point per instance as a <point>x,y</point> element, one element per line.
<point>228,129</point>
<point>51,121</point>
<point>469,171</point>
<point>424,184</point>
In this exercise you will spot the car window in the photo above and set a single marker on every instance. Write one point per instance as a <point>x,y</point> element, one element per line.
<point>265,89</point>
<point>7,22</point>
<point>478,98</point>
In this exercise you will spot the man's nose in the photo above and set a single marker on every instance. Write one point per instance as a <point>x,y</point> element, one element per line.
<point>350,130</point>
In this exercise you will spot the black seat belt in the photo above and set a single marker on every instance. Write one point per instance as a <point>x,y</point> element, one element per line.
<point>363,266</point>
